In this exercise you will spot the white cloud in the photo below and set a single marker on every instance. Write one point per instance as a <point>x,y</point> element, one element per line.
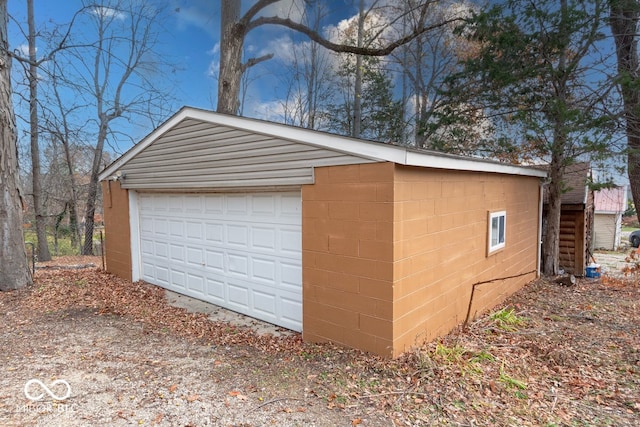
<point>272,111</point>
<point>200,14</point>
<point>282,47</point>
<point>23,49</point>
<point>292,9</point>
<point>108,12</point>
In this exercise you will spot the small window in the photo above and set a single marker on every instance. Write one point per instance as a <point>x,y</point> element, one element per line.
<point>497,228</point>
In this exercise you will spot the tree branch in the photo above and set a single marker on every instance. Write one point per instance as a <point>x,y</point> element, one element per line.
<point>336,47</point>
<point>254,61</point>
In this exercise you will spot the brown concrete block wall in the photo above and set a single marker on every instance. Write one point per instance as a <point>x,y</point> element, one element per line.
<point>117,231</point>
<point>347,256</point>
<point>441,249</point>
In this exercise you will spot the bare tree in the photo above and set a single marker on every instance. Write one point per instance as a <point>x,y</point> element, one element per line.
<point>32,66</point>
<point>118,76</point>
<point>308,87</point>
<point>63,131</point>
<point>235,26</point>
<point>14,271</point>
<point>36,178</point>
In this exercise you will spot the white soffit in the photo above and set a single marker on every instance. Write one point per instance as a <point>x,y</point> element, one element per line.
<point>375,151</point>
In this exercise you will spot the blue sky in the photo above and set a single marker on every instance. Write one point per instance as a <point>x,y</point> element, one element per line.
<point>190,40</point>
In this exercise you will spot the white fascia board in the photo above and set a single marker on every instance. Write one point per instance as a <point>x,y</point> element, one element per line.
<point>467,164</point>
<point>375,151</point>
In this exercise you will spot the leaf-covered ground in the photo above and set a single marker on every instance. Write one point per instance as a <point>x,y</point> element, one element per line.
<point>551,356</point>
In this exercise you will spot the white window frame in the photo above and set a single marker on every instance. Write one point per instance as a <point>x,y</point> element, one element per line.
<point>501,239</point>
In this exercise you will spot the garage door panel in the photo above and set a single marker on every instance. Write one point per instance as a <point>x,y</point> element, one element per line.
<point>238,265</point>
<point>237,236</point>
<point>263,270</point>
<point>161,227</point>
<point>214,233</point>
<point>214,204</point>
<point>237,204</point>
<point>263,238</point>
<point>240,251</point>
<point>195,256</point>
<point>291,276</point>
<point>290,241</point>
<point>178,279</point>
<point>215,261</point>
<point>176,228</point>
<point>146,247</point>
<point>177,253</point>
<point>195,283</point>
<point>161,249</point>
<point>194,230</point>
<point>215,290</point>
<point>264,303</point>
<point>193,205</point>
<point>162,274</point>
<point>146,225</point>
<point>238,295</point>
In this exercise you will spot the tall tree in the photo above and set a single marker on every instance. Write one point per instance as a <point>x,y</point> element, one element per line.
<point>33,73</point>
<point>118,77</point>
<point>36,174</point>
<point>14,270</point>
<point>425,63</point>
<point>535,72</point>
<point>308,87</point>
<point>363,87</point>
<point>235,26</point>
<point>623,18</point>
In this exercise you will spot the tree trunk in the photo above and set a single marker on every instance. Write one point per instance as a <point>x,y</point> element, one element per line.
<point>551,238</point>
<point>231,69</point>
<point>92,194</point>
<point>14,270</point>
<point>357,96</point>
<point>624,22</point>
<point>36,178</point>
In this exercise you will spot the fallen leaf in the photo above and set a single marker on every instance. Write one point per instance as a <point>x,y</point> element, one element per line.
<point>356,421</point>
<point>173,388</point>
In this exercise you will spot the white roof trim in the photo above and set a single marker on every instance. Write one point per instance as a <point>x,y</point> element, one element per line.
<point>369,150</point>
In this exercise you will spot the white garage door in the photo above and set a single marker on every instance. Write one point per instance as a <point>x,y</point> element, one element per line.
<point>239,251</point>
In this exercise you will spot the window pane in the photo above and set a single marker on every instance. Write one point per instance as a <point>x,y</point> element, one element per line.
<point>494,231</point>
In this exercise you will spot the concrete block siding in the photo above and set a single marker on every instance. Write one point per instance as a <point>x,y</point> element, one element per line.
<point>391,252</point>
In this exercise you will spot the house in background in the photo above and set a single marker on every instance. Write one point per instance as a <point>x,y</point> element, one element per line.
<point>609,205</point>
<point>369,245</point>
<point>576,219</point>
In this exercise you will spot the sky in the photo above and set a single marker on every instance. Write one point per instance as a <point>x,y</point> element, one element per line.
<point>189,40</point>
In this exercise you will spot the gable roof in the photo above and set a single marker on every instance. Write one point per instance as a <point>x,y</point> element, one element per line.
<point>201,148</point>
<point>610,200</point>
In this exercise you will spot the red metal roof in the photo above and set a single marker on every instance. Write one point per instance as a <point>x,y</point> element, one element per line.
<point>610,199</point>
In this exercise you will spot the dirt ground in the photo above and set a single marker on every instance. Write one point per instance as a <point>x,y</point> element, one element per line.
<point>551,355</point>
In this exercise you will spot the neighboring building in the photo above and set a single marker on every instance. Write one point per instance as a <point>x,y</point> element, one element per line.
<point>576,219</point>
<point>609,205</point>
<point>370,245</point>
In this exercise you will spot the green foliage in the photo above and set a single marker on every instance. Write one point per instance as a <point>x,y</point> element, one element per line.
<point>509,381</point>
<point>507,320</point>
<point>64,247</point>
<point>535,73</point>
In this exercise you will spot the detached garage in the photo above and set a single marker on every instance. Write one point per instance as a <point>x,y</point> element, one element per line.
<point>370,245</point>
